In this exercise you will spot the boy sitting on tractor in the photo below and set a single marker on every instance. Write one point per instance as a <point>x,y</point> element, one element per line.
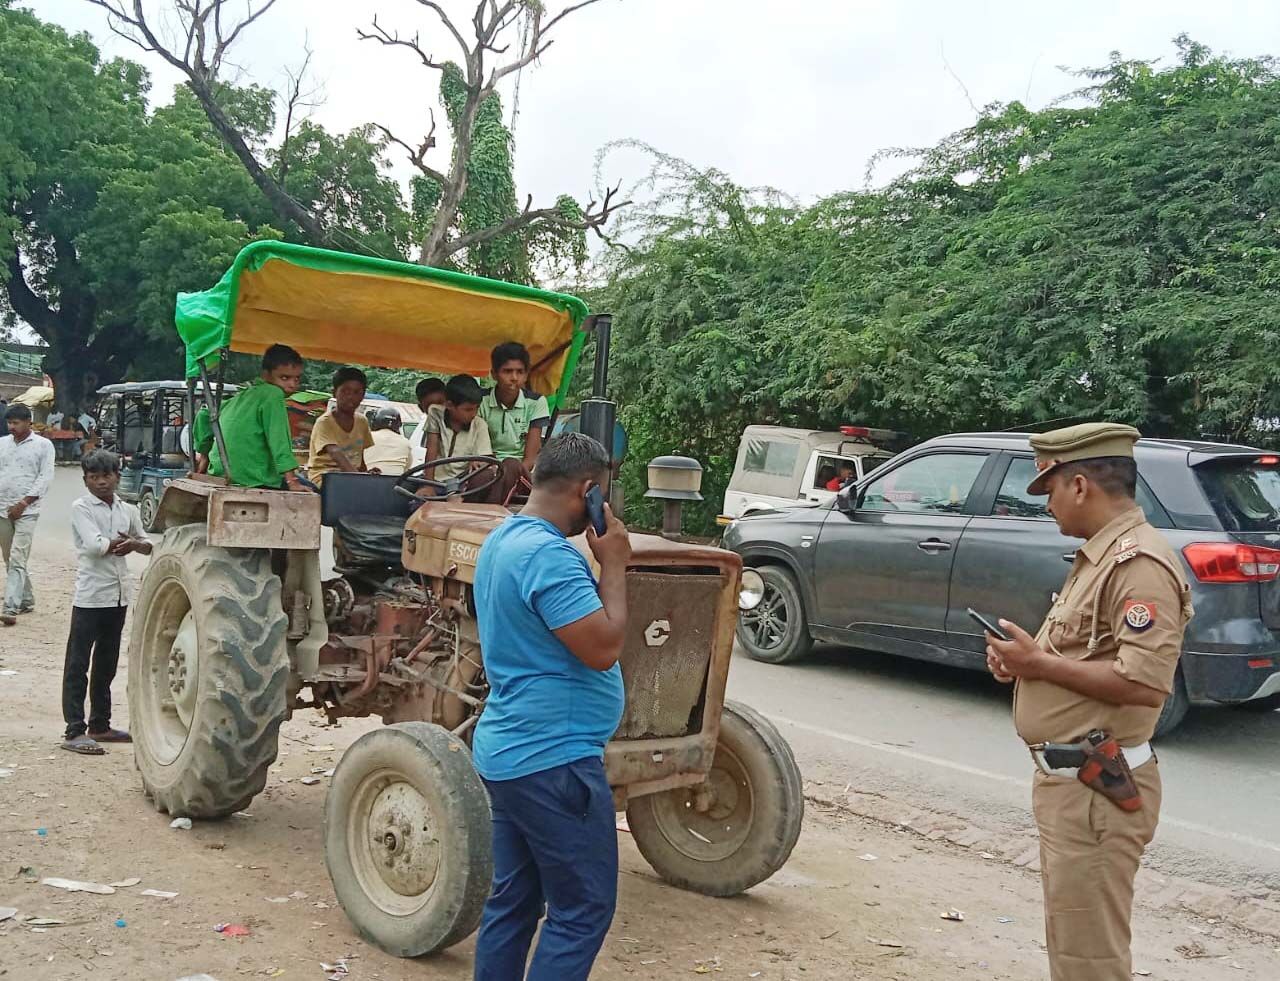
<point>255,427</point>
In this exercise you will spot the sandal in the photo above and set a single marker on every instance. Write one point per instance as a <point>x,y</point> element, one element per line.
<point>111,736</point>
<point>8,619</point>
<point>84,746</point>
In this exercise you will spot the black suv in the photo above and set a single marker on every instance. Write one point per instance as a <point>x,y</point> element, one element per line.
<point>893,564</point>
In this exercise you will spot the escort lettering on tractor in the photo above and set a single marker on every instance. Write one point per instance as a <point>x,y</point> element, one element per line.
<point>234,630</point>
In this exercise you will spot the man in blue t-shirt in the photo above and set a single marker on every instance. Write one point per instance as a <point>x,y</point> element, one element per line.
<point>551,639</point>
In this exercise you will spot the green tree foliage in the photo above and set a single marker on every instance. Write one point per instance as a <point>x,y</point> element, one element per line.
<point>342,180</point>
<point>1111,257</point>
<point>108,208</point>
<point>490,199</point>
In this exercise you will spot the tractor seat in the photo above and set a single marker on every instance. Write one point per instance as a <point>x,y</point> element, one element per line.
<point>371,539</point>
<point>367,514</point>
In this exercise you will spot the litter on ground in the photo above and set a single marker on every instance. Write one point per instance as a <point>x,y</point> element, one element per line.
<point>75,885</point>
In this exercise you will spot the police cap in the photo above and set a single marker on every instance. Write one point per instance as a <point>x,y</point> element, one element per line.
<point>1087,441</point>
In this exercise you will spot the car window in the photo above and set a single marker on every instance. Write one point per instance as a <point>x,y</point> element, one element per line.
<point>829,469</point>
<point>939,482</point>
<point>771,457</point>
<point>1013,501</point>
<point>1245,494</point>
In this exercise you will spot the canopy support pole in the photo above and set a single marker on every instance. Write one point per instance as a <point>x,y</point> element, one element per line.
<point>215,405</point>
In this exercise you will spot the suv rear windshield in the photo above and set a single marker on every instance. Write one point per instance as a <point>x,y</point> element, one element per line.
<point>1244,494</point>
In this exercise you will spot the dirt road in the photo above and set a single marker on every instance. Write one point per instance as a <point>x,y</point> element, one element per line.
<point>861,899</point>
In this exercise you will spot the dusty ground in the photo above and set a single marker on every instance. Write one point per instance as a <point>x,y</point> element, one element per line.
<point>831,914</point>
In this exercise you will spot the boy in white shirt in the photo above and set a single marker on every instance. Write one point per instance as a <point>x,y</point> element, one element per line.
<point>104,529</point>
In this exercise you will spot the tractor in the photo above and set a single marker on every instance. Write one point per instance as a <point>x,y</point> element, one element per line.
<point>235,629</point>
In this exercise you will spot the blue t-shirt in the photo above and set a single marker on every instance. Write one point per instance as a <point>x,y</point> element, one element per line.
<point>545,707</point>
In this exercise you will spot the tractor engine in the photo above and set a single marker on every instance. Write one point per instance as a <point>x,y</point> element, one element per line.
<point>405,648</point>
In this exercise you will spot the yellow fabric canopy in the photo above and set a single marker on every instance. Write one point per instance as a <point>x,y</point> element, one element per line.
<point>357,310</point>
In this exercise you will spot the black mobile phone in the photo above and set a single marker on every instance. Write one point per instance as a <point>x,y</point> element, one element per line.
<point>595,508</point>
<point>987,625</point>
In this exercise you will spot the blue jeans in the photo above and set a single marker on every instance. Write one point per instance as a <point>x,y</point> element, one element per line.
<point>555,846</point>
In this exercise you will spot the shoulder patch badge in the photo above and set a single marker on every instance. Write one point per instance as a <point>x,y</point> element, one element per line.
<point>1126,548</point>
<point>1139,615</point>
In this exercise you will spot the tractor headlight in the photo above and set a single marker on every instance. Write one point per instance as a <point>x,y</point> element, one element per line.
<point>752,591</point>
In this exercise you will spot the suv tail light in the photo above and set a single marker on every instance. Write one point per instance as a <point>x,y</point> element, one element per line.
<point>1232,562</point>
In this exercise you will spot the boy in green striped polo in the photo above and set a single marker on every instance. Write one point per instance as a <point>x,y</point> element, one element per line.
<point>515,416</point>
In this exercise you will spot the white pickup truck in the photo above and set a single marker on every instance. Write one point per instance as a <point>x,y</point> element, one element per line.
<point>780,467</point>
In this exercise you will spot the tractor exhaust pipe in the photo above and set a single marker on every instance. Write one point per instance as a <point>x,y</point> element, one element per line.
<point>599,414</point>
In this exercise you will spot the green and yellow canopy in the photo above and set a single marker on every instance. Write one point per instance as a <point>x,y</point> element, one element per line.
<point>353,309</point>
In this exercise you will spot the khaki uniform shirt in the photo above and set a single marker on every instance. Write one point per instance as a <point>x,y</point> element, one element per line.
<point>1125,601</point>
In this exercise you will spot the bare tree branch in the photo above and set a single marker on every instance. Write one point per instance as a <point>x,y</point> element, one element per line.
<point>417,156</point>
<point>201,63</point>
<point>444,19</point>
<point>295,99</point>
<point>594,218</point>
<point>250,16</point>
<point>538,43</point>
<point>385,37</point>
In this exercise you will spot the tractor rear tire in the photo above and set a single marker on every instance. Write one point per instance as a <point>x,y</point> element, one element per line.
<point>208,675</point>
<point>738,828</point>
<point>408,839</point>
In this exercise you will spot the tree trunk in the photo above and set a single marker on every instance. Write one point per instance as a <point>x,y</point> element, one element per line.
<point>280,201</point>
<point>435,249</point>
<point>72,386</point>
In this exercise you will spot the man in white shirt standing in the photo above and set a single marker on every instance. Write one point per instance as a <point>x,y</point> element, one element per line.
<point>26,470</point>
<point>104,529</point>
<point>390,452</point>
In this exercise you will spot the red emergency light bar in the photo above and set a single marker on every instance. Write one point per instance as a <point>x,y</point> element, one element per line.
<point>867,433</point>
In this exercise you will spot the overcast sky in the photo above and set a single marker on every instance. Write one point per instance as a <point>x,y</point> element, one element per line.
<point>796,94</point>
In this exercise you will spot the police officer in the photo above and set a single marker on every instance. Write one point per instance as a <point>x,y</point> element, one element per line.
<point>1102,663</point>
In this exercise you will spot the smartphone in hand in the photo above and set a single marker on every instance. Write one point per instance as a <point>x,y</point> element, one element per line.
<point>595,508</point>
<point>986,624</point>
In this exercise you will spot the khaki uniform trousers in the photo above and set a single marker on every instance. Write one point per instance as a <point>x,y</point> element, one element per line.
<point>1089,853</point>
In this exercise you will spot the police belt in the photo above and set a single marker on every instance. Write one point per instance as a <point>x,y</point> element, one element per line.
<point>1065,759</point>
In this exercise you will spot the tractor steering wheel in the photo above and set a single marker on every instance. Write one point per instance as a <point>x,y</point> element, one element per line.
<point>409,481</point>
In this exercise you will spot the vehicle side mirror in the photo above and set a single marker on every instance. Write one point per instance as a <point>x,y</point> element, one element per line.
<point>847,499</point>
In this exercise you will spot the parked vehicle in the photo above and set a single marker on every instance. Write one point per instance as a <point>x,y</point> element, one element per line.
<point>146,423</point>
<point>893,563</point>
<point>781,467</point>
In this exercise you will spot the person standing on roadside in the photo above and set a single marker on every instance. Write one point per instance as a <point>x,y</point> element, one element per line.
<point>104,529</point>
<point>26,471</point>
<point>552,637</point>
<point>1090,687</point>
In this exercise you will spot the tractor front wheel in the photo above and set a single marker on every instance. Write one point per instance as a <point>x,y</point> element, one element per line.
<point>737,828</point>
<point>408,838</point>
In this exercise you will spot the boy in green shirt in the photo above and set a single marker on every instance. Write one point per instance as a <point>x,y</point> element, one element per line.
<point>255,427</point>
<point>515,416</point>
